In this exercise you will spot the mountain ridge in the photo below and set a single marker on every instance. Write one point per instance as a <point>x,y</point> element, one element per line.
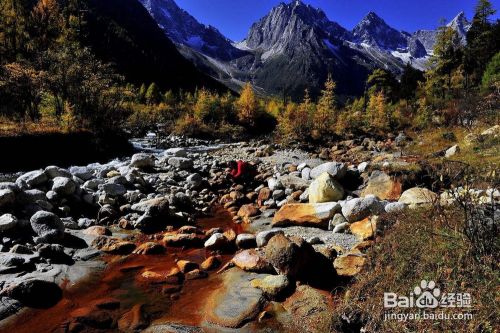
<point>123,33</point>
<point>295,45</point>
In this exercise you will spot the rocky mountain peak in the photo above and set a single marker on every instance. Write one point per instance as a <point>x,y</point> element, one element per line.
<point>292,22</point>
<point>374,31</point>
<point>184,29</point>
<point>461,25</point>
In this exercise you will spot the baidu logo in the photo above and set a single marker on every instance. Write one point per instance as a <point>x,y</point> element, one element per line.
<point>427,295</point>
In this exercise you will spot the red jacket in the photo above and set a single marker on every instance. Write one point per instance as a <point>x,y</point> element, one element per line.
<point>242,170</point>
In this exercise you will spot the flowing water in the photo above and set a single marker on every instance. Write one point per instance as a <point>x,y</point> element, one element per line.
<point>121,282</point>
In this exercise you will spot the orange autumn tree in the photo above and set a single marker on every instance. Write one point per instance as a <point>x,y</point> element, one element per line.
<point>247,106</point>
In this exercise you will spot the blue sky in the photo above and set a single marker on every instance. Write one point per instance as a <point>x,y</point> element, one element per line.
<point>234,17</point>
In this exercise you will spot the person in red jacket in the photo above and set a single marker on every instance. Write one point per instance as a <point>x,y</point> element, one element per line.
<point>241,172</point>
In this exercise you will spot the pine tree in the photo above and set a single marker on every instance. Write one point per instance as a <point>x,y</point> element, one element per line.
<point>446,59</point>
<point>169,97</point>
<point>325,115</point>
<point>153,94</point>
<point>381,80</point>
<point>483,41</point>
<point>45,24</point>
<point>14,16</point>
<point>491,76</point>
<point>378,111</point>
<point>206,107</point>
<point>409,82</point>
<point>141,95</point>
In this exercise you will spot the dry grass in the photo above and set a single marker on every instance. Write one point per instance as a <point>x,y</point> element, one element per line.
<point>482,157</point>
<point>46,125</point>
<point>419,246</point>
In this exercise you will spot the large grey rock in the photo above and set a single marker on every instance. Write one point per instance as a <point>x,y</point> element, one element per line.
<point>13,260</point>
<point>81,172</point>
<point>274,184</point>
<point>182,163</point>
<point>7,197</point>
<point>7,222</point>
<point>395,207</point>
<point>142,161</point>
<point>337,219</point>
<point>32,179</point>
<point>35,293</point>
<point>54,171</point>
<point>493,131</point>
<point>416,196</point>
<point>114,190</point>
<point>336,170</point>
<point>31,196</point>
<point>272,285</point>
<point>360,208</point>
<point>237,302</point>
<point>160,204</point>
<point>246,241</point>
<point>8,307</point>
<point>63,186</point>
<point>47,226</point>
<point>93,184</point>
<point>85,223</point>
<point>181,200</point>
<point>263,237</point>
<point>194,180</point>
<point>176,152</point>
<point>306,173</point>
<point>340,228</point>
<point>9,186</point>
<point>293,182</point>
<point>216,242</point>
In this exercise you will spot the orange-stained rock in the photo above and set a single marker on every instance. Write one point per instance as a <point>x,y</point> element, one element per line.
<point>252,261</point>
<point>316,215</point>
<point>230,235</point>
<point>152,277</point>
<point>249,210</point>
<point>383,187</point>
<point>264,195</point>
<point>236,302</point>
<point>134,320</point>
<point>149,248</point>
<point>97,230</point>
<point>252,196</point>
<point>186,266</point>
<point>210,263</point>
<point>310,309</point>
<point>113,245</point>
<point>225,199</point>
<point>196,274</point>
<point>175,276</point>
<point>180,240</point>
<point>350,264</point>
<point>364,229</point>
<point>363,246</point>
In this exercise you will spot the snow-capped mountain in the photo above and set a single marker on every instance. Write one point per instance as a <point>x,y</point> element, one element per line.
<point>296,45</point>
<point>373,31</point>
<point>184,29</point>
<point>279,26</point>
<point>461,25</point>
